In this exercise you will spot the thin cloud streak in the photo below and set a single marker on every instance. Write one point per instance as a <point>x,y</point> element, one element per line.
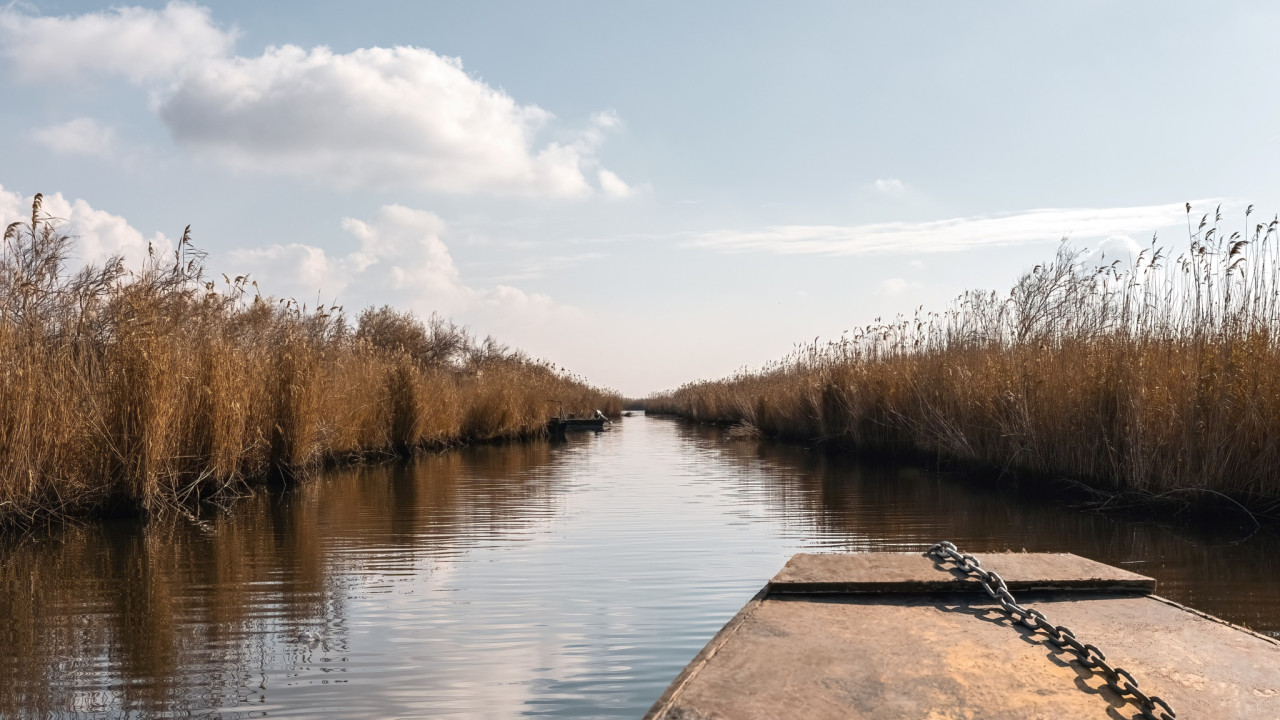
<point>952,235</point>
<point>540,268</point>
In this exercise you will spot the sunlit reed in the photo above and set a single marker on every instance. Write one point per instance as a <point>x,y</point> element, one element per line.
<point>141,389</point>
<point>1155,376</point>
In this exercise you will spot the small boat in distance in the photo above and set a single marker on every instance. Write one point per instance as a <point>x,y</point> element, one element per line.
<point>558,426</point>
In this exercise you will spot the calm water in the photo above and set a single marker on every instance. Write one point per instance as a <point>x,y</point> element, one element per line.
<point>535,580</point>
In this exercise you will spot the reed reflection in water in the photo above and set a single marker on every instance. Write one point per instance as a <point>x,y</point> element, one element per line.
<point>838,503</point>
<point>197,614</point>
<point>568,580</point>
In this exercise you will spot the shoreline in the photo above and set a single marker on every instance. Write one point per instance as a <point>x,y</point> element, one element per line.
<point>1040,487</point>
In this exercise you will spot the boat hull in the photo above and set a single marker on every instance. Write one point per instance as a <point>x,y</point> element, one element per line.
<point>557,427</point>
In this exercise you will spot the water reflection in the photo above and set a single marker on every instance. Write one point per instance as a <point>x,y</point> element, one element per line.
<point>842,504</point>
<point>193,614</point>
<point>570,580</point>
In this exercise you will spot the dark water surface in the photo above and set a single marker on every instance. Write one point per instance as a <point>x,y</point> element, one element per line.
<point>530,580</point>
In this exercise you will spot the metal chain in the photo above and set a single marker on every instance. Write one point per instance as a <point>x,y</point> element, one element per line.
<point>1118,679</point>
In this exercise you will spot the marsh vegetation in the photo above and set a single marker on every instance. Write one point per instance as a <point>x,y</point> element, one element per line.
<point>138,389</point>
<point>1155,377</point>
<point>430,588</point>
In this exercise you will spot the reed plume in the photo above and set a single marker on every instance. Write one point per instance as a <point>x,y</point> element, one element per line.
<point>1156,376</point>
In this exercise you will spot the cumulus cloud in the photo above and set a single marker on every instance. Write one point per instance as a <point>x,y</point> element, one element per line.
<point>1120,247</point>
<point>613,185</point>
<point>82,136</point>
<point>141,44</point>
<point>948,235</point>
<point>379,116</point>
<point>99,234</point>
<point>889,185</point>
<point>374,117</point>
<point>399,259</point>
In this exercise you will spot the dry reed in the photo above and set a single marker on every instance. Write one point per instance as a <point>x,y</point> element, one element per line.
<point>136,390</point>
<point>1156,376</point>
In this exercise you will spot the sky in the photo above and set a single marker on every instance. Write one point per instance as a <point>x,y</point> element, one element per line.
<point>643,193</point>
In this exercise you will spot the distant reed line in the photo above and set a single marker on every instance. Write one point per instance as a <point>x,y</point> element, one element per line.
<point>1152,377</point>
<point>141,389</point>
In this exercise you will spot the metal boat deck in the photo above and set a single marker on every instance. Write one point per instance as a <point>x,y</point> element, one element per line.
<point>883,635</point>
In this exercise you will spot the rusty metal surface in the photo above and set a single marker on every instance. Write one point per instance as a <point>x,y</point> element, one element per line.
<point>914,573</point>
<point>952,656</point>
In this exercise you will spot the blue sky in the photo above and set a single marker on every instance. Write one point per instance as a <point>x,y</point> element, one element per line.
<point>645,194</point>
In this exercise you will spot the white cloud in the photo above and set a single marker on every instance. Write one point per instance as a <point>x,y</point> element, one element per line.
<point>374,117</point>
<point>12,207</point>
<point>141,44</point>
<point>613,185</point>
<point>400,260</point>
<point>1047,225</point>
<point>889,185</point>
<point>99,234</point>
<point>82,136</point>
<point>606,120</point>
<point>1118,247</point>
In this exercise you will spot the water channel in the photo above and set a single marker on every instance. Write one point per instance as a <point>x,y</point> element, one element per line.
<point>569,580</point>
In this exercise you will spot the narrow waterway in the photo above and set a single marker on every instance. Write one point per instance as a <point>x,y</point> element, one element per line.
<point>570,580</point>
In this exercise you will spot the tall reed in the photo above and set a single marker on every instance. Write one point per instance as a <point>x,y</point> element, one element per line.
<point>1154,375</point>
<point>137,389</point>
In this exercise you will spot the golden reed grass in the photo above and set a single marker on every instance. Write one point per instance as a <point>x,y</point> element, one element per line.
<point>1155,377</point>
<point>135,390</point>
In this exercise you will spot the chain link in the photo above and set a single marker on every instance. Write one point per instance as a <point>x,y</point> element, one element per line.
<point>1118,679</point>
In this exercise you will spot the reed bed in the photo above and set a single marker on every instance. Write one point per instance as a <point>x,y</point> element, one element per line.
<point>1148,377</point>
<point>142,389</point>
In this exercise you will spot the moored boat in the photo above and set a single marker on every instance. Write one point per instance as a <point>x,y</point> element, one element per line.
<point>558,426</point>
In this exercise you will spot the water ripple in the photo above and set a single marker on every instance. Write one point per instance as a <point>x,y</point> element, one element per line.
<point>524,580</point>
